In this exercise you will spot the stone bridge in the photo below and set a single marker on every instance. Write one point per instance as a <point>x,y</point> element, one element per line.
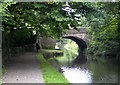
<point>81,39</point>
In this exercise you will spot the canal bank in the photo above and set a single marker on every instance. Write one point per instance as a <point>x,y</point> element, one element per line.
<point>51,75</point>
<point>99,70</point>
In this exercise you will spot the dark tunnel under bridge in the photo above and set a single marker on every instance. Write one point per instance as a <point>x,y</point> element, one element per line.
<point>81,44</point>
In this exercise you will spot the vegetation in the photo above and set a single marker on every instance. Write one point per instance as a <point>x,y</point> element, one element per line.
<point>51,51</point>
<point>70,51</point>
<point>104,30</point>
<point>23,23</point>
<point>51,75</point>
<point>72,47</point>
<point>41,18</point>
<point>66,55</point>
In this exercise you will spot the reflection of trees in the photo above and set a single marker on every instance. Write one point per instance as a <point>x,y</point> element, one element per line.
<point>70,50</point>
<point>102,71</point>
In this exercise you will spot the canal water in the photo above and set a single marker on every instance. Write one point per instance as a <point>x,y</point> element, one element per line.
<point>95,70</point>
<point>90,71</point>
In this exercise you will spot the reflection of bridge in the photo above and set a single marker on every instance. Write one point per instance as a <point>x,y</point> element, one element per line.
<point>80,37</point>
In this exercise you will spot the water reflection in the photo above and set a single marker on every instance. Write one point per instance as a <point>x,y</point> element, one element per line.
<point>82,71</point>
<point>88,72</point>
<point>77,75</point>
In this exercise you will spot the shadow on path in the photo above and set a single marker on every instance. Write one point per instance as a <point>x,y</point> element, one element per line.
<point>23,69</point>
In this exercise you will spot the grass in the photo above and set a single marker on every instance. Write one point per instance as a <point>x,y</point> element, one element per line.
<point>51,51</point>
<point>50,74</point>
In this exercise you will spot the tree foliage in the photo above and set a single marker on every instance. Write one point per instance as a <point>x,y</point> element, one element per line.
<point>20,19</point>
<point>47,19</point>
<point>104,28</point>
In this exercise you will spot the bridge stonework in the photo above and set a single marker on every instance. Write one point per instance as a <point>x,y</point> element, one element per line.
<point>81,38</point>
<point>81,33</point>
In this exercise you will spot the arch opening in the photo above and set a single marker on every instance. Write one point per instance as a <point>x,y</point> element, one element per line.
<point>81,44</point>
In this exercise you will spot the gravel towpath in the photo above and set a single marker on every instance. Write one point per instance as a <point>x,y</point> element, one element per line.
<point>23,69</point>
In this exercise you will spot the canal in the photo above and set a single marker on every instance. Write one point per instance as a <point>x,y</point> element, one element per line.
<point>90,71</point>
<point>99,70</point>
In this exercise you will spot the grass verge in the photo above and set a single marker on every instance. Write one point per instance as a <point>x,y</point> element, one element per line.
<point>51,51</point>
<point>50,74</point>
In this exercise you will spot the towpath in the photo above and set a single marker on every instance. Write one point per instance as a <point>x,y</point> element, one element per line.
<point>23,69</point>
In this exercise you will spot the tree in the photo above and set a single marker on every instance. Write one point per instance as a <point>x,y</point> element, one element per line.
<point>52,19</point>
<point>104,29</point>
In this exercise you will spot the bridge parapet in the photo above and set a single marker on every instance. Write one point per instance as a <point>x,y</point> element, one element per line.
<point>80,34</point>
<point>81,38</point>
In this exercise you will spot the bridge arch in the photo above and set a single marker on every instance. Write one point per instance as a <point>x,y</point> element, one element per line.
<point>81,44</point>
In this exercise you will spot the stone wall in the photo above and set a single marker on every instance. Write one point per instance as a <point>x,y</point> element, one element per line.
<point>8,53</point>
<point>47,43</point>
